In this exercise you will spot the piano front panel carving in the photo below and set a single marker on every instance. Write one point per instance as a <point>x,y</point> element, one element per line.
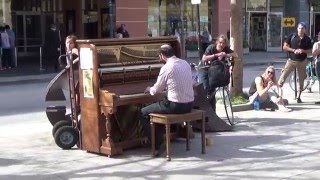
<point>129,75</point>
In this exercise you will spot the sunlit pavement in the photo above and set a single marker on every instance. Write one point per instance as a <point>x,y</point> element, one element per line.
<point>263,145</point>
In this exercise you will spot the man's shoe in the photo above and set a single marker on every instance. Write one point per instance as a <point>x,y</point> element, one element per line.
<point>299,100</point>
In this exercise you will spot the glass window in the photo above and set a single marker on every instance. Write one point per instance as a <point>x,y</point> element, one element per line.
<point>108,20</point>
<point>256,5</point>
<point>276,5</point>
<point>164,19</point>
<point>316,8</point>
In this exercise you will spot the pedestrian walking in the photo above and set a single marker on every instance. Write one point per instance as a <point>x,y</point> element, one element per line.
<point>6,51</point>
<point>206,38</point>
<point>297,45</point>
<point>12,40</point>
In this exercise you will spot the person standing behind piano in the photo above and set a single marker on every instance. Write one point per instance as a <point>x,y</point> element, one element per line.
<point>72,49</point>
<point>175,78</point>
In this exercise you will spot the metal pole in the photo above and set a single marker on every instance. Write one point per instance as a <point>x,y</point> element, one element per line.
<point>198,27</point>
<point>41,69</point>
<point>15,57</point>
<point>183,39</point>
<point>295,83</point>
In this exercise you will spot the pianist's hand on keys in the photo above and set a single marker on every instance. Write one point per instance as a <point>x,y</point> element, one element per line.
<point>147,90</point>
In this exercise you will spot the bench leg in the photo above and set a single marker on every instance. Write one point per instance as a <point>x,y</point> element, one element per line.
<point>152,139</point>
<point>203,134</point>
<point>188,138</point>
<point>168,141</point>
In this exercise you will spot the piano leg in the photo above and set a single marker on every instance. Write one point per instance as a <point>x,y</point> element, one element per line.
<point>108,147</point>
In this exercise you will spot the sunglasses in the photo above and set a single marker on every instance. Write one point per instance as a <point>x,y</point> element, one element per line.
<point>270,72</point>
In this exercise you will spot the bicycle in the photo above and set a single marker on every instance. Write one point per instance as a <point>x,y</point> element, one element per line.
<point>223,93</point>
<point>310,79</point>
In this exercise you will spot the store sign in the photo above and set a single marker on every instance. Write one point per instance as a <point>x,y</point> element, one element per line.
<point>203,18</point>
<point>288,22</point>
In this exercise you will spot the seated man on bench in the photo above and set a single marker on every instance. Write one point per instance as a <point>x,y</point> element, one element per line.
<point>176,78</point>
<point>261,87</point>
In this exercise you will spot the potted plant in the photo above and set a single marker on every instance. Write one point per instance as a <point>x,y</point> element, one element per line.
<point>245,46</point>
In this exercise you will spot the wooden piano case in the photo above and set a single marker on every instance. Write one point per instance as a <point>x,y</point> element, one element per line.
<point>113,74</point>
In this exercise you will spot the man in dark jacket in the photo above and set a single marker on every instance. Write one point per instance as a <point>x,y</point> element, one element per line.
<point>52,47</point>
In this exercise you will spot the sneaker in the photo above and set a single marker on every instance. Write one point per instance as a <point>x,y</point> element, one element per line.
<point>284,109</point>
<point>299,100</point>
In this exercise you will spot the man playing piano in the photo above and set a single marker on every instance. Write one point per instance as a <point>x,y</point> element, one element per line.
<point>175,78</point>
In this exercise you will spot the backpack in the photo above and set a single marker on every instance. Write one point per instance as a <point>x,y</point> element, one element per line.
<point>218,74</point>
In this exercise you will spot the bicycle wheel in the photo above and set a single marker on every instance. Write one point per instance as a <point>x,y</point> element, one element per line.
<point>224,106</point>
<point>291,81</point>
<point>228,105</point>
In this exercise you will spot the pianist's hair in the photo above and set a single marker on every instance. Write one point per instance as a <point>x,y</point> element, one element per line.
<point>166,50</point>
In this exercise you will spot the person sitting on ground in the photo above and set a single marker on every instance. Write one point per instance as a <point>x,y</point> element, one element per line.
<point>261,88</point>
<point>174,78</point>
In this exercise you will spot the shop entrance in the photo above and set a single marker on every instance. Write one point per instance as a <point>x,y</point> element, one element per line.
<point>28,34</point>
<point>258,32</point>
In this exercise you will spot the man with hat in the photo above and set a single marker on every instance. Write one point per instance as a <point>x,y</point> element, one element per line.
<point>297,45</point>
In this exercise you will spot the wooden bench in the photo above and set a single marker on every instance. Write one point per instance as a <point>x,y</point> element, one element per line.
<point>168,119</point>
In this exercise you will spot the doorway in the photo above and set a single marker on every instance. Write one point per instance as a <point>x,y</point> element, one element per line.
<point>274,32</point>
<point>28,32</point>
<point>258,32</point>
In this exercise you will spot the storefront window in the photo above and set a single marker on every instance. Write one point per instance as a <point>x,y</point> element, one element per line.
<point>316,8</point>
<point>164,18</point>
<point>108,20</point>
<point>256,5</point>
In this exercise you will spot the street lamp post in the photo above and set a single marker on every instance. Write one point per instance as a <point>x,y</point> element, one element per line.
<point>197,2</point>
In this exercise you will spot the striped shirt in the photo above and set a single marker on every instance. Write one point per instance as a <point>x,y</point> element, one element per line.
<point>175,77</point>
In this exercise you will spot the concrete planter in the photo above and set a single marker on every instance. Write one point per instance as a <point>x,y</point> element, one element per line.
<point>242,107</point>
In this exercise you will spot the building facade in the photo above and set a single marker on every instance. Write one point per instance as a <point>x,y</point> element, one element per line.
<point>262,19</point>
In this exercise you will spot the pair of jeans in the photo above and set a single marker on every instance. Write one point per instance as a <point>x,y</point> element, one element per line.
<point>211,91</point>
<point>204,78</point>
<point>6,58</point>
<point>164,107</point>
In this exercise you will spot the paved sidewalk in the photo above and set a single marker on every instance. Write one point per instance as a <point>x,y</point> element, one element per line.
<point>263,145</point>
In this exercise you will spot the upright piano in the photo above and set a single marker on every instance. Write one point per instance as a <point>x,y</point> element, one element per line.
<point>113,75</point>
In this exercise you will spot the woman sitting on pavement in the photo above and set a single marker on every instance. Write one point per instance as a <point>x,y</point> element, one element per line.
<point>261,87</point>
